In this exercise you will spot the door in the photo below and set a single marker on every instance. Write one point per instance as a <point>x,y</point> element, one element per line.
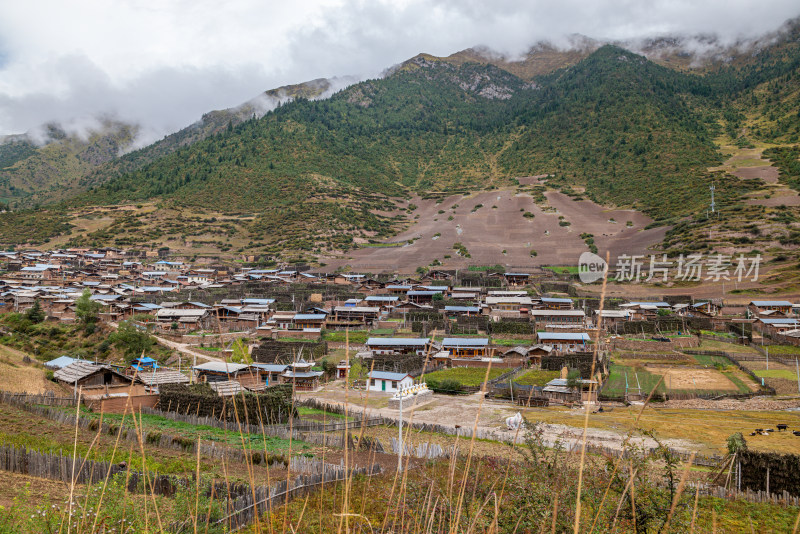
<point>383,385</point>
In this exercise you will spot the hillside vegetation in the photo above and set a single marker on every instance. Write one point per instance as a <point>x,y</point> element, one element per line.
<point>315,175</point>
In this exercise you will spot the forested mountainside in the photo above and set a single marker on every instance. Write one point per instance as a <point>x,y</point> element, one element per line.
<point>620,129</point>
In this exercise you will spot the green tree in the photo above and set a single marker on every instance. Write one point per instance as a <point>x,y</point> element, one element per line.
<point>240,352</point>
<point>36,314</point>
<point>131,340</point>
<point>87,310</point>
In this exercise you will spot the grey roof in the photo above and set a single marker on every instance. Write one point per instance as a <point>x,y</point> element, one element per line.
<point>377,298</point>
<point>80,370</point>
<point>220,367</point>
<point>385,375</point>
<point>227,388</point>
<point>270,367</point>
<point>289,373</point>
<point>771,303</point>
<point>162,377</point>
<point>398,341</point>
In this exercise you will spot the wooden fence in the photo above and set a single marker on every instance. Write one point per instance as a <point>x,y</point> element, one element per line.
<point>240,507</point>
<point>31,398</point>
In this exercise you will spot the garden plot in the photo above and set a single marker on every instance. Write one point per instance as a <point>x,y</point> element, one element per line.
<point>686,379</point>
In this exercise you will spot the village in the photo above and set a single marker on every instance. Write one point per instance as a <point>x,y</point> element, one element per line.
<point>450,354</point>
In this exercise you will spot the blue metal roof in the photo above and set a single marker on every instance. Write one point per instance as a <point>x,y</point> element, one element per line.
<point>557,300</point>
<point>760,303</point>
<point>309,316</point>
<point>375,298</point>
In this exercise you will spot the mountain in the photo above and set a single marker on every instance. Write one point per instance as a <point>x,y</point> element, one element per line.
<point>43,166</point>
<point>56,162</point>
<point>316,176</point>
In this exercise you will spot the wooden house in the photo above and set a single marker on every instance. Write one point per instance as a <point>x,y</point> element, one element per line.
<point>300,376</point>
<point>759,308</point>
<point>398,345</point>
<point>564,341</point>
<point>219,371</point>
<point>465,347</point>
<point>82,374</point>
<point>543,318</point>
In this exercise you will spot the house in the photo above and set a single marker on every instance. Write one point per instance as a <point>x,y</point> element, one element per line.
<point>398,345</point>
<point>564,341</point>
<point>303,321</point>
<point>300,375</point>
<point>611,318</point>
<point>344,316</point>
<point>342,369</point>
<point>218,371</point>
<point>776,325</point>
<point>517,279</point>
<point>558,390</point>
<point>543,318</point>
<point>383,302</point>
<point>758,308</point>
<point>707,308</point>
<point>83,374</point>
<point>465,347</point>
<point>388,382</point>
<point>182,319</point>
<point>549,303</point>
<point>270,373</point>
<point>508,303</point>
<point>422,296</point>
<point>464,311</point>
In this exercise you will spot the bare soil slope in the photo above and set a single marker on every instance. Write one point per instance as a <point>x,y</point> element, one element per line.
<point>497,227</point>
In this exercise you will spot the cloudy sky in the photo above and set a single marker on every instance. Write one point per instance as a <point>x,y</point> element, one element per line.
<point>162,63</point>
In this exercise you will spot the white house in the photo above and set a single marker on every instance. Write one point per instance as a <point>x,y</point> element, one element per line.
<point>390,382</point>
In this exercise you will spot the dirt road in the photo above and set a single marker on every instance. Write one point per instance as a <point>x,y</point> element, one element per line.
<point>490,416</point>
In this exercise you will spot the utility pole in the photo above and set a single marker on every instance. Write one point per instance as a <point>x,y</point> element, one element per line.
<point>797,370</point>
<point>713,205</point>
<point>400,437</point>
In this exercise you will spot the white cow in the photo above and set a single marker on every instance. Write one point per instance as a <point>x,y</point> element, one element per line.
<point>515,422</point>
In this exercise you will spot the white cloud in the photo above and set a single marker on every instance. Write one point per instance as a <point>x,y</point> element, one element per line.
<point>163,63</point>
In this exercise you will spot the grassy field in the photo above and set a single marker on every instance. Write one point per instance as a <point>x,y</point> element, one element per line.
<point>355,336</point>
<point>466,376</point>
<point>776,373</point>
<point>537,378</point>
<point>630,378</point>
<point>782,350</point>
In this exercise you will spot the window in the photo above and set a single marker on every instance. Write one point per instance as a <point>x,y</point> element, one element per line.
<point>374,381</point>
<point>394,384</point>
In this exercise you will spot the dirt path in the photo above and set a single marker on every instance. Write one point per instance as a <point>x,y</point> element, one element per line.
<point>183,348</point>
<point>490,416</point>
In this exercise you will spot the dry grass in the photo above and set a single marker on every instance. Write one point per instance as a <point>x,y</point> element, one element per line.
<point>19,377</point>
<point>710,428</point>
